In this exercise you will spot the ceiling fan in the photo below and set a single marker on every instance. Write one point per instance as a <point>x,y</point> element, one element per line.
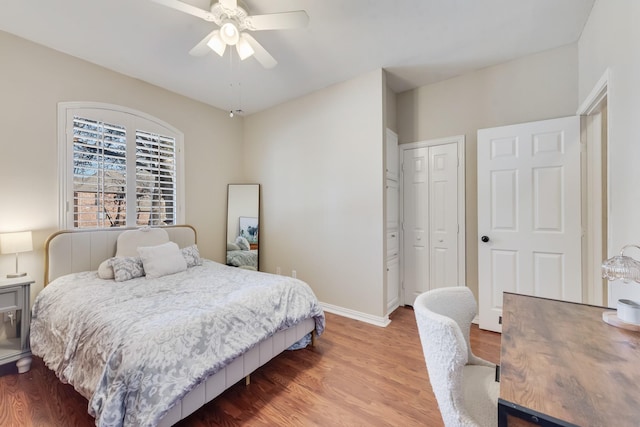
<point>232,20</point>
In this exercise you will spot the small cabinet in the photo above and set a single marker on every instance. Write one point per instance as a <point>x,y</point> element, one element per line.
<point>393,245</point>
<point>15,317</point>
<point>391,144</point>
<point>393,198</point>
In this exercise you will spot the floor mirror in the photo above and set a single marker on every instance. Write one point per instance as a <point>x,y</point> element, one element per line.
<point>243,226</point>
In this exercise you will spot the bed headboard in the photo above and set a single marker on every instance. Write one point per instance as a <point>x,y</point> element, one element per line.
<point>71,251</point>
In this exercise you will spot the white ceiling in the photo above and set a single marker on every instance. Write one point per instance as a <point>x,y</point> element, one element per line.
<point>417,41</point>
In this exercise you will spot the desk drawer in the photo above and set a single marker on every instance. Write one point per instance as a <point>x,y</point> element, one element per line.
<point>10,299</point>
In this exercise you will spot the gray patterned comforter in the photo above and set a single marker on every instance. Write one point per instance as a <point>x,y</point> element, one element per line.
<point>135,348</point>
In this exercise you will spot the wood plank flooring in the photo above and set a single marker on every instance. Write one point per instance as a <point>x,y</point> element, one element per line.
<point>357,375</point>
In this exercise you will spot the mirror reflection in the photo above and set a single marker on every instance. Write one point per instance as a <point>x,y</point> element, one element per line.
<point>243,225</point>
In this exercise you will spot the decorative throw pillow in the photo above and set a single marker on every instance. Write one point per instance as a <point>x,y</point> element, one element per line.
<point>191,256</point>
<point>232,247</point>
<point>129,241</point>
<point>126,268</point>
<point>162,260</point>
<point>105,271</point>
<point>243,243</point>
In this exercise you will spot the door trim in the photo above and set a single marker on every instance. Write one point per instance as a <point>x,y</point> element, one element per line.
<point>459,140</point>
<point>595,247</point>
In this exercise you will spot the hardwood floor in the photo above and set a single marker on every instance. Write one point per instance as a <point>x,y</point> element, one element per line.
<point>357,375</point>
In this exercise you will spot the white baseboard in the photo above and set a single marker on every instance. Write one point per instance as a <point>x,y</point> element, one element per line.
<point>357,315</point>
<point>476,320</point>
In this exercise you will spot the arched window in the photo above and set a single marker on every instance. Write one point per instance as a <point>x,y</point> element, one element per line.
<point>118,168</point>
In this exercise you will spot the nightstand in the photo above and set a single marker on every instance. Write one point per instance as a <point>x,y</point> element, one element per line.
<point>15,317</point>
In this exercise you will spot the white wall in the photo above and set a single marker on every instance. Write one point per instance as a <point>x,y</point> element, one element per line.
<point>536,87</point>
<point>319,159</point>
<point>33,79</point>
<point>610,40</point>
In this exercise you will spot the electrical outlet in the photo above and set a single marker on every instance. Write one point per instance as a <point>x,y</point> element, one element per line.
<point>294,274</point>
<point>278,271</point>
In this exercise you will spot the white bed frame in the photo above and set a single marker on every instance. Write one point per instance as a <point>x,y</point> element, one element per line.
<point>78,250</point>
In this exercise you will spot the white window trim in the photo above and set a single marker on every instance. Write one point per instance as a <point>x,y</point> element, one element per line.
<point>66,112</point>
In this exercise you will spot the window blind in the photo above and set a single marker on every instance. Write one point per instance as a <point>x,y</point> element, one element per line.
<point>99,174</point>
<point>155,179</point>
<point>101,169</point>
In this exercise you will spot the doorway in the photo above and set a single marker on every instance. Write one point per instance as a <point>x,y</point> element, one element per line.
<point>594,114</point>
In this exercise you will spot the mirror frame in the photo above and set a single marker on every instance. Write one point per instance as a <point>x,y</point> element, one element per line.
<point>258,201</point>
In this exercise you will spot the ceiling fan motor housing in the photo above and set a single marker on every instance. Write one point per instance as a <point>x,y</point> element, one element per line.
<point>222,15</point>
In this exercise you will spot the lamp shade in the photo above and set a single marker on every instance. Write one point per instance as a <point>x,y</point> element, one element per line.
<point>12,243</point>
<point>244,48</point>
<point>217,44</point>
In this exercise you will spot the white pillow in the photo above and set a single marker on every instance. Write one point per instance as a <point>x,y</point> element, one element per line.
<point>129,241</point>
<point>243,243</point>
<point>105,270</point>
<point>162,260</point>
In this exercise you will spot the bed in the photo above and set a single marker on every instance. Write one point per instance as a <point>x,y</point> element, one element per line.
<point>144,351</point>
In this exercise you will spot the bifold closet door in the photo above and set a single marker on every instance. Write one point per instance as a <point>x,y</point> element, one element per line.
<point>430,219</point>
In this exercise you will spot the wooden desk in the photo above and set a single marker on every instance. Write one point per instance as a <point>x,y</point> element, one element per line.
<point>561,365</point>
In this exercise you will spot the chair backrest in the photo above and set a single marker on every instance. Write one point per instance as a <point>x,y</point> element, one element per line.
<point>444,318</point>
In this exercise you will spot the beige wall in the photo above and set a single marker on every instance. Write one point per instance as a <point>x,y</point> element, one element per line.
<point>319,160</point>
<point>33,79</point>
<point>610,40</point>
<point>391,110</point>
<point>535,87</point>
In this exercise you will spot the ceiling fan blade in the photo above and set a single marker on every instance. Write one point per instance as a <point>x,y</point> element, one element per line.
<point>229,4</point>
<point>187,8</point>
<point>260,53</point>
<point>277,21</point>
<point>201,48</point>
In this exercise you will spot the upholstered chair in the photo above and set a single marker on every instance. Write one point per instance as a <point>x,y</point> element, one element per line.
<point>464,384</point>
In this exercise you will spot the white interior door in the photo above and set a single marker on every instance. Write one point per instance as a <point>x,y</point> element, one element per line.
<point>432,209</point>
<point>415,224</point>
<point>529,217</point>
<point>443,208</point>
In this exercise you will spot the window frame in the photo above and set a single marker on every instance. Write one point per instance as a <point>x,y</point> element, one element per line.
<point>132,120</point>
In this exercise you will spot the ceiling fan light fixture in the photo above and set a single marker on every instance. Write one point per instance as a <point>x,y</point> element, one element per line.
<point>217,44</point>
<point>244,49</point>
<point>229,32</point>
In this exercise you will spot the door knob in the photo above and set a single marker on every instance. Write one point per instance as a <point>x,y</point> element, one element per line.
<point>485,239</point>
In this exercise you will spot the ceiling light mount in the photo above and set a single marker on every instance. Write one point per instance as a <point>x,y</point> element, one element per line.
<point>222,15</point>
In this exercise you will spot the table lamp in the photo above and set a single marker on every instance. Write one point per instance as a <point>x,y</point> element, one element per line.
<point>625,268</point>
<point>14,243</point>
